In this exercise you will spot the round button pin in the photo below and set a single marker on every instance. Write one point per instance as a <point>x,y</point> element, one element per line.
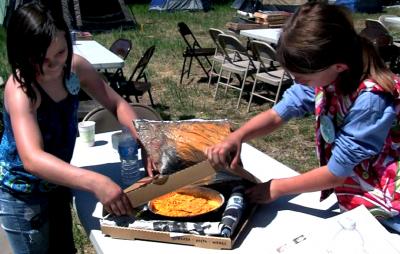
<point>327,129</point>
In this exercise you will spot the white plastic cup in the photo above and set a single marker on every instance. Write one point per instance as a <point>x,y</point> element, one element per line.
<point>115,137</point>
<point>86,132</point>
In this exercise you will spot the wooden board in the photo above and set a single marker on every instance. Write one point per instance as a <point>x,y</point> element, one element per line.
<point>244,26</point>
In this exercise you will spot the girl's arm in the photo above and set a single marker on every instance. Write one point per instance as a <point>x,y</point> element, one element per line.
<point>95,85</point>
<point>314,180</point>
<point>227,153</point>
<point>260,125</point>
<point>296,102</point>
<point>48,167</point>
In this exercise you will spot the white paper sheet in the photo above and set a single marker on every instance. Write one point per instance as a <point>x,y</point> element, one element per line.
<point>376,239</point>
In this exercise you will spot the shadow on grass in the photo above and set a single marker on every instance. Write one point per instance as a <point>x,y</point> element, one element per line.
<point>162,110</point>
<point>186,117</point>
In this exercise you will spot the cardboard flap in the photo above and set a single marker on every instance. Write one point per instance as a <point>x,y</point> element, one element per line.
<point>169,183</point>
<point>140,193</point>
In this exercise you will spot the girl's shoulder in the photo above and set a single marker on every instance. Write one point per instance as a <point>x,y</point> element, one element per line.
<point>13,87</point>
<point>15,94</point>
<point>11,80</point>
<point>79,64</point>
<point>370,85</point>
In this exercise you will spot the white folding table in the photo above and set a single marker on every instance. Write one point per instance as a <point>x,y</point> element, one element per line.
<point>270,35</point>
<point>271,224</point>
<point>99,56</point>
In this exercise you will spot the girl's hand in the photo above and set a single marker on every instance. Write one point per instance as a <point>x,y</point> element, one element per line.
<point>112,197</point>
<point>147,161</point>
<point>261,193</point>
<point>226,154</point>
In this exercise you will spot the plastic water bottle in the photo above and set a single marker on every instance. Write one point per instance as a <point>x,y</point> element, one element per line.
<point>348,239</point>
<point>73,37</point>
<point>233,211</point>
<point>131,166</point>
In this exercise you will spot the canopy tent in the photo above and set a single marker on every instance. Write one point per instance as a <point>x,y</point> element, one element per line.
<point>3,8</point>
<point>368,6</point>
<point>267,5</point>
<point>179,5</point>
<point>106,15</point>
<point>6,8</point>
<point>86,15</point>
<point>247,5</point>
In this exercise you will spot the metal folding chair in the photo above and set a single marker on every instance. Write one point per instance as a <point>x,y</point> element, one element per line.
<point>268,72</point>
<point>218,57</point>
<point>193,50</point>
<point>138,83</point>
<point>105,120</point>
<point>379,35</point>
<point>121,47</point>
<point>236,60</point>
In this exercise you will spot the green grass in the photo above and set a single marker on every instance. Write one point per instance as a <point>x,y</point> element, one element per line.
<point>81,240</point>
<point>4,70</point>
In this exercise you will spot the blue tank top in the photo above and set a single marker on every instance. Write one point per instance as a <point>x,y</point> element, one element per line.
<point>58,123</point>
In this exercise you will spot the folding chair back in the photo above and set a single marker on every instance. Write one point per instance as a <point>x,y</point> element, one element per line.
<point>378,34</point>
<point>106,121</point>
<point>188,36</point>
<point>193,50</point>
<point>139,70</point>
<point>233,49</point>
<point>214,36</point>
<point>218,55</point>
<point>138,84</point>
<point>121,47</point>
<point>265,54</point>
<point>236,60</point>
<point>269,72</point>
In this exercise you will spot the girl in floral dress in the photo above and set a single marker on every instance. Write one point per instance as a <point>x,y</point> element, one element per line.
<point>340,78</point>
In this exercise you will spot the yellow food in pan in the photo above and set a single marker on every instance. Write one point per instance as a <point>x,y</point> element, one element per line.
<point>182,205</point>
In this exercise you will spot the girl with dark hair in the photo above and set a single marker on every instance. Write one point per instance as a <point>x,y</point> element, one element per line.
<point>40,129</point>
<point>355,97</point>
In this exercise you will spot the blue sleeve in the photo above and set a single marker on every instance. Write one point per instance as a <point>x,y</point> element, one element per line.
<point>363,134</point>
<point>296,102</point>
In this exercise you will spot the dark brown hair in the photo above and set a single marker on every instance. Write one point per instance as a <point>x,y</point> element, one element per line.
<point>319,35</point>
<point>30,31</point>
